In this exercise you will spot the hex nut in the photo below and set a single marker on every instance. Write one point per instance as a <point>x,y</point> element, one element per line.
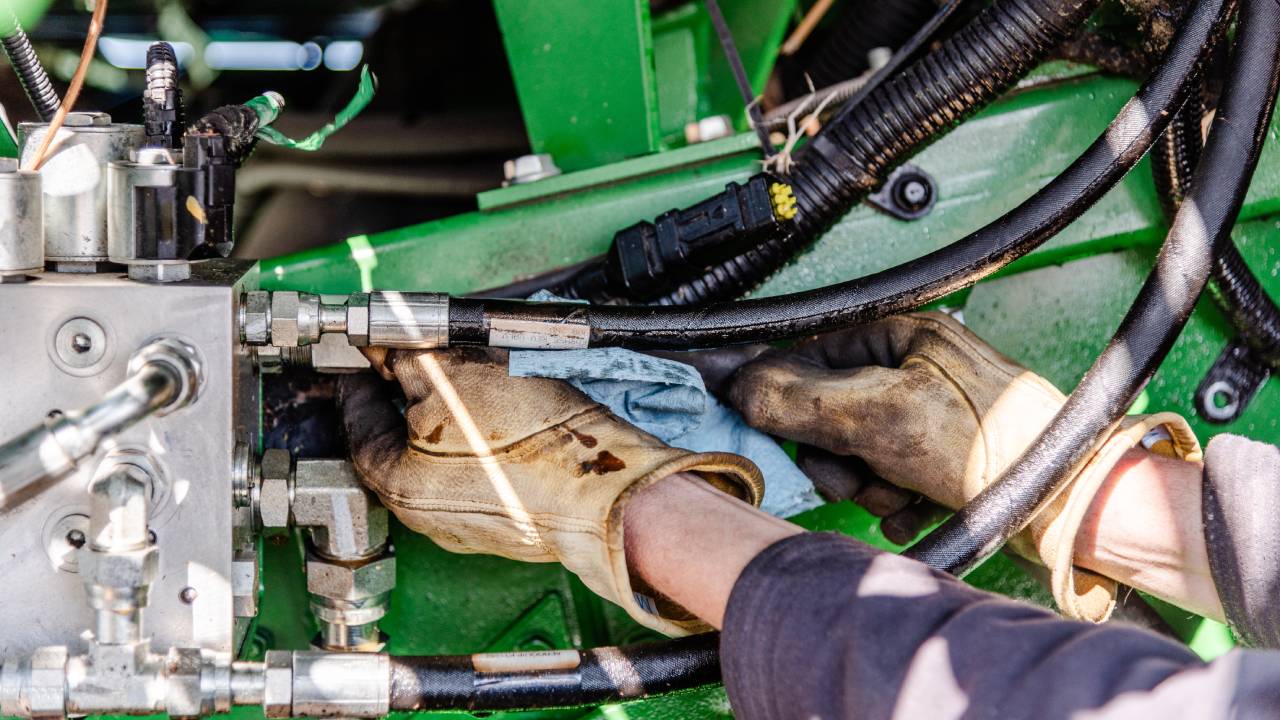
<point>122,570</point>
<point>358,320</point>
<point>277,696</point>
<point>256,327</point>
<point>274,471</point>
<point>284,318</point>
<point>351,584</point>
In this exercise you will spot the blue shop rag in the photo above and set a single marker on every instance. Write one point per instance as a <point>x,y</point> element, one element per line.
<point>668,400</point>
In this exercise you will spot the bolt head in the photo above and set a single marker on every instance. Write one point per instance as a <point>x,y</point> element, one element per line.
<point>528,168</point>
<point>256,325</point>
<point>284,318</point>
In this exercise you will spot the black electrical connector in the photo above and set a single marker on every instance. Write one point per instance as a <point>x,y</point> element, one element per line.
<point>648,259</point>
<point>207,182</point>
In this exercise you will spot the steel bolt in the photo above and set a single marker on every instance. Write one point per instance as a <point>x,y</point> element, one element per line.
<point>528,168</point>
<point>913,193</point>
<point>76,539</point>
<point>188,595</point>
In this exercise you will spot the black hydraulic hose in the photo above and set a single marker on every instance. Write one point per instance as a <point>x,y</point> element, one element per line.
<point>26,65</point>
<point>1201,228</point>
<point>863,26</point>
<point>553,679</point>
<point>858,149</point>
<point>1235,287</point>
<point>162,114</point>
<point>906,286</point>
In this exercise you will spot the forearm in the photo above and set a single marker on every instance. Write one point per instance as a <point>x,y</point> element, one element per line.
<point>1144,528</point>
<point>690,542</point>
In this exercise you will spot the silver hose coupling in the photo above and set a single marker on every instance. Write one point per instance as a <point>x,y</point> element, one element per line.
<point>382,318</point>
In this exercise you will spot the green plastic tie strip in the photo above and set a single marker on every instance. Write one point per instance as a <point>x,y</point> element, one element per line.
<point>267,108</point>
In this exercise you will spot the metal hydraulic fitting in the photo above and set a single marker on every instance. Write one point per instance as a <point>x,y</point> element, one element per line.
<point>350,566</point>
<point>346,521</point>
<point>274,489</point>
<point>350,601</point>
<point>164,375</point>
<point>384,318</point>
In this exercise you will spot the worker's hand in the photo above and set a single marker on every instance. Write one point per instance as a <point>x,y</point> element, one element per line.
<point>931,408</point>
<point>525,468</point>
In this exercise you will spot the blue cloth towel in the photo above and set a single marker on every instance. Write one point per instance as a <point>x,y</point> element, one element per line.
<point>668,399</point>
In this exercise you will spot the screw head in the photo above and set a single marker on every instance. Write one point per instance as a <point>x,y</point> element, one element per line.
<point>80,347</point>
<point>76,539</point>
<point>913,193</point>
<point>188,595</point>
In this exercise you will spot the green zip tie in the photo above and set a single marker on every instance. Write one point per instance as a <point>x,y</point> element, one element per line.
<point>311,143</point>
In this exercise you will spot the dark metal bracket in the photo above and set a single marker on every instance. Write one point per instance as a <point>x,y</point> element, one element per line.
<point>1231,384</point>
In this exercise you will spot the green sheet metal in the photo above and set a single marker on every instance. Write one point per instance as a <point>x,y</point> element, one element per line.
<point>983,167</point>
<point>614,83</point>
<point>1053,311</point>
<point>584,76</point>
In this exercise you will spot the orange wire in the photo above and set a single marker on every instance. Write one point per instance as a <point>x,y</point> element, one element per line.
<point>806,26</point>
<point>77,82</point>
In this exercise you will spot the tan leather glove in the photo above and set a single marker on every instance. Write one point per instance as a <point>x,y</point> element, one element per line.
<point>526,468</point>
<point>932,408</point>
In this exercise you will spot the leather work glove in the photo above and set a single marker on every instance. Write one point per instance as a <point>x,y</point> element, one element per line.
<point>526,468</point>
<point>932,408</point>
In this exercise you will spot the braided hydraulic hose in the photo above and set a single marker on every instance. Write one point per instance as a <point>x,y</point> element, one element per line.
<point>1200,230</point>
<point>26,65</point>
<point>561,679</point>
<point>910,285</point>
<point>858,149</point>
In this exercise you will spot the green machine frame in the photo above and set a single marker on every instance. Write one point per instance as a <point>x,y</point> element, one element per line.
<point>607,89</point>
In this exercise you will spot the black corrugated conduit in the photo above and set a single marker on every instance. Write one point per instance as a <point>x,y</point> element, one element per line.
<point>858,149</point>
<point>874,133</point>
<point>910,285</point>
<point>26,65</point>
<point>555,679</point>
<point>1235,288</point>
<point>1202,227</point>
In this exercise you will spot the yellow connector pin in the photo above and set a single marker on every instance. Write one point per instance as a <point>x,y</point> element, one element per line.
<point>784,201</point>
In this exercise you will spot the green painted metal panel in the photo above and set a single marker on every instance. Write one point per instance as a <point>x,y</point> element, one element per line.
<point>694,79</point>
<point>584,76</point>
<point>984,167</point>
<point>1052,311</point>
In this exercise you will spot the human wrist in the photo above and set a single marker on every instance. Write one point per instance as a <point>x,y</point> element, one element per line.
<point>1144,529</point>
<point>690,542</point>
